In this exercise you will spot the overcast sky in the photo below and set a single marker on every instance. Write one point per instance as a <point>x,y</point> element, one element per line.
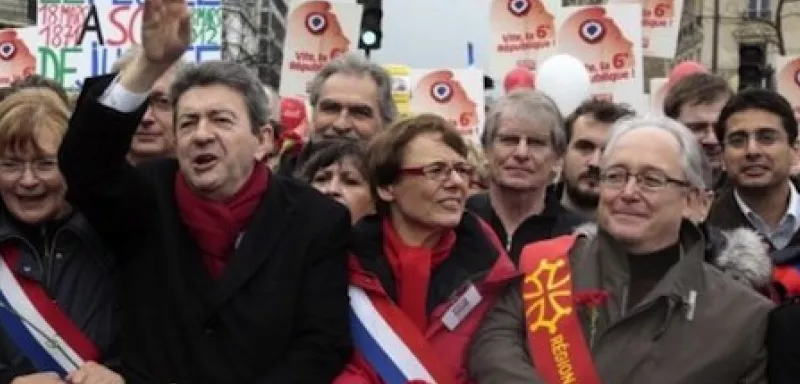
<point>434,33</point>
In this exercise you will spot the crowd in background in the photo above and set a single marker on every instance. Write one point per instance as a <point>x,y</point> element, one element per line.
<point>162,227</point>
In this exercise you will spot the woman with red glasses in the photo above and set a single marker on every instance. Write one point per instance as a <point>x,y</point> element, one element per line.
<point>423,271</point>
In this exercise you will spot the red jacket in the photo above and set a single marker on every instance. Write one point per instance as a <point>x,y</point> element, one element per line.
<point>476,257</point>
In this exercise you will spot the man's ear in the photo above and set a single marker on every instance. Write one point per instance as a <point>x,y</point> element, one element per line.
<point>266,142</point>
<point>698,204</point>
<point>386,193</point>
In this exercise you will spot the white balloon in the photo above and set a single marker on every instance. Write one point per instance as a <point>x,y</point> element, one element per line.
<point>565,79</point>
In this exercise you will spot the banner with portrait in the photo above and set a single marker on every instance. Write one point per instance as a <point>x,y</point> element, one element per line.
<point>522,31</point>
<point>17,54</point>
<point>317,31</point>
<point>787,80</point>
<point>607,40</point>
<point>454,94</point>
<point>661,23</point>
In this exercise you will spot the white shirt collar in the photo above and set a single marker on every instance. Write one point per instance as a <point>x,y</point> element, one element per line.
<point>792,211</point>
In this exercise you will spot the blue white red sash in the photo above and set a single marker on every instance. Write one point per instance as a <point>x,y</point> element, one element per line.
<point>395,349</point>
<point>47,337</point>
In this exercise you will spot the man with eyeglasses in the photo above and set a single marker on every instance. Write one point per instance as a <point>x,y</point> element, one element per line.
<point>631,301</point>
<point>155,137</point>
<point>524,141</point>
<point>696,101</point>
<point>758,131</point>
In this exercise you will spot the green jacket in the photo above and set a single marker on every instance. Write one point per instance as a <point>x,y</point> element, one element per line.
<point>663,339</point>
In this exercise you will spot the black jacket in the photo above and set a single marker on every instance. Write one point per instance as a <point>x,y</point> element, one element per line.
<point>783,344</point>
<point>278,314</point>
<point>67,258</point>
<point>554,221</point>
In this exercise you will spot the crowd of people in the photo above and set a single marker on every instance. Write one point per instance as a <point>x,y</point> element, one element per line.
<point>159,229</point>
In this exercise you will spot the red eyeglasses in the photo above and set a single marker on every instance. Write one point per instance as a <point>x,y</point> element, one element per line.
<point>441,170</point>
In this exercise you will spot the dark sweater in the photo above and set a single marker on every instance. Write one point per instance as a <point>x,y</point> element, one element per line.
<point>648,269</point>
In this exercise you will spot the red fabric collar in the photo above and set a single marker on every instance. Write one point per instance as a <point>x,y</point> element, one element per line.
<point>412,268</point>
<point>215,226</point>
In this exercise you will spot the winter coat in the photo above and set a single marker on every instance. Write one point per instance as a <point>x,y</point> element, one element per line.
<point>476,258</point>
<point>666,338</point>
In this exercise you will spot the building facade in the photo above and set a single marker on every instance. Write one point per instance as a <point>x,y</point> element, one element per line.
<point>17,13</point>
<point>253,34</point>
<point>746,22</point>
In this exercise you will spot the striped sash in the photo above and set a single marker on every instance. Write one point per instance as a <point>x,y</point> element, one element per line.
<point>46,336</point>
<point>395,349</point>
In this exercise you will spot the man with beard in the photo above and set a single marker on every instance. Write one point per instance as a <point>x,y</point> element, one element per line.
<point>523,141</point>
<point>587,130</point>
<point>696,101</point>
<point>349,97</point>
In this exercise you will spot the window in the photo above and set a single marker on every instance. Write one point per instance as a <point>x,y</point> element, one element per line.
<point>759,9</point>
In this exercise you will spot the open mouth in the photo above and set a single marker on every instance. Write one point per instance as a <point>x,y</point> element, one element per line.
<point>31,199</point>
<point>204,161</point>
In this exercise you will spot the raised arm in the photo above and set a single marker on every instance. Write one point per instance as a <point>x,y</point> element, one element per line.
<point>110,192</point>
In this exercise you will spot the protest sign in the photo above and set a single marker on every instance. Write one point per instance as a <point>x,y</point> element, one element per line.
<point>521,32</point>
<point>607,40</point>
<point>661,23</point>
<point>317,31</point>
<point>787,80</point>
<point>454,94</point>
<point>83,38</point>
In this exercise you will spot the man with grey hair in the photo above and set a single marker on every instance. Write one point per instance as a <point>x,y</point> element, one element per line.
<point>524,141</point>
<point>632,301</point>
<point>155,137</point>
<point>350,97</point>
<point>229,275</point>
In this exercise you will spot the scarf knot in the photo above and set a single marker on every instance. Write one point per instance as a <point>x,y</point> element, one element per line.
<point>216,226</point>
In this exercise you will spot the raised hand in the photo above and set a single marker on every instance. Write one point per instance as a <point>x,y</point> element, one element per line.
<point>166,30</point>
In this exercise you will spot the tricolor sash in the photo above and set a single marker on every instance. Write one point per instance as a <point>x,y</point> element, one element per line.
<point>393,346</point>
<point>555,338</point>
<point>47,337</point>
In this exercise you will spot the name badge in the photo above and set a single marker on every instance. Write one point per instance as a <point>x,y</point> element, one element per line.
<point>462,307</point>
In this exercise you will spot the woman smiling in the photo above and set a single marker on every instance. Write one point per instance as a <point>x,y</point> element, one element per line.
<point>57,285</point>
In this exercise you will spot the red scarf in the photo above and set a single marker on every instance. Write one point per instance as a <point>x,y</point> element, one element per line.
<point>216,226</point>
<point>412,268</point>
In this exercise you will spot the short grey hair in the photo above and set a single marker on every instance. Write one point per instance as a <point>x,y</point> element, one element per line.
<point>230,74</point>
<point>356,65</point>
<point>691,155</point>
<point>530,106</point>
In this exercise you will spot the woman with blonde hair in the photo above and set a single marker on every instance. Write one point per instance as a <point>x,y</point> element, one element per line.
<point>57,281</point>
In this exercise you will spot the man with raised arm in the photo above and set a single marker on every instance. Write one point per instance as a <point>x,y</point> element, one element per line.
<point>229,276</point>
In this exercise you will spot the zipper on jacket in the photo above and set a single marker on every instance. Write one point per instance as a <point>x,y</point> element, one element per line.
<point>49,246</point>
<point>509,241</point>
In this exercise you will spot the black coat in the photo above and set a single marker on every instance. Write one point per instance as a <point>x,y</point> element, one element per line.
<point>553,221</point>
<point>66,258</point>
<point>783,344</point>
<point>278,314</point>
